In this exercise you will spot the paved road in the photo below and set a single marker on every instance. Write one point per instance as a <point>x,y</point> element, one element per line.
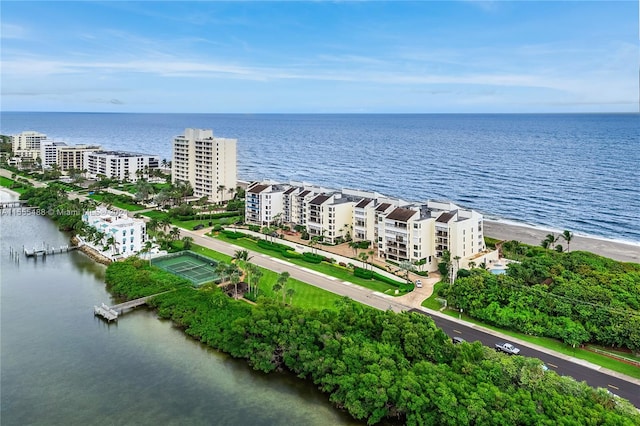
<point>565,367</point>
<point>595,376</point>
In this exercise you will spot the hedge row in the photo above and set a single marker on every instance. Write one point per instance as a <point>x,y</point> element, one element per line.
<point>368,275</point>
<point>312,257</point>
<point>232,234</point>
<point>206,216</point>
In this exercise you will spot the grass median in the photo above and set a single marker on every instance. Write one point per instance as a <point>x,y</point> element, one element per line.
<point>338,272</point>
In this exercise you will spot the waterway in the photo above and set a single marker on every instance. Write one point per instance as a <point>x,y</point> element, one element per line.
<point>61,365</point>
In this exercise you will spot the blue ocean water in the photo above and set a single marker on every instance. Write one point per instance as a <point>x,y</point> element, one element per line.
<point>564,171</point>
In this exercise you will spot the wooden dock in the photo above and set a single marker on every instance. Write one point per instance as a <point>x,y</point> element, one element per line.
<point>6,205</point>
<point>111,313</point>
<point>44,251</point>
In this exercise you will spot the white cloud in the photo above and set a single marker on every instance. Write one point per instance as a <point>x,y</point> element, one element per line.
<point>12,31</point>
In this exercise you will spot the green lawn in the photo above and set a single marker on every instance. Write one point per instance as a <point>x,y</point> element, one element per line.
<point>306,296</point>
<point>119,204</point>
<point>431,302</point>
<point>189,224</point>
<point>331,270</point>
<point>8,183</point>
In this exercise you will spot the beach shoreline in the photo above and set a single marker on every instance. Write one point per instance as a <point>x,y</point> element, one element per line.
<point>618,250</point>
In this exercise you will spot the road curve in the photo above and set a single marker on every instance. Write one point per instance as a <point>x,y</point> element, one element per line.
<point>595,376</point>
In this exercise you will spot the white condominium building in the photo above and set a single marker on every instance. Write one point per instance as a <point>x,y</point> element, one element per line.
<point>27,144</point>
<point>263,204</point>
<point>120,165</point>
<point>399,231</point>
<point>120,236</point>
<point>49,153</point>
<point>208,163</point>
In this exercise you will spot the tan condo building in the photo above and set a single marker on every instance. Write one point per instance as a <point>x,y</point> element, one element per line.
<point>399,231</point>
<point>208,163</point>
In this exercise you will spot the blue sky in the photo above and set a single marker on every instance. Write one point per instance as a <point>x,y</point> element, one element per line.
<point>320,57</point>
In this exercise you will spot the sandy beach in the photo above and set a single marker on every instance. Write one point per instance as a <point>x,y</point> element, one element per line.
<point>528,235</point>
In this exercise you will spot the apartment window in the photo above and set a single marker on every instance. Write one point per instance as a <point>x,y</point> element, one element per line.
<point>124,233</point>
<point>124,241</point>
<point>131,247</point>
<point>131,231</point>
<point>131,239</point>
<point>415,247</point>
<point>416,226</point>
<point>415,254</point>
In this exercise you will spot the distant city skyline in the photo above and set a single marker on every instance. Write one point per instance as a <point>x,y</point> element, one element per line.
<point>320,57</point>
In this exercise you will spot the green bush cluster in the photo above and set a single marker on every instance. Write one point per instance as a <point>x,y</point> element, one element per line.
<point>254,228</point>
<point>134,278</point>
<point>312,257</point>
<point>380,365</point>
<point>232,234</point>
<point>576,297</point>
<point>55,204</point>
<point>362,273</point>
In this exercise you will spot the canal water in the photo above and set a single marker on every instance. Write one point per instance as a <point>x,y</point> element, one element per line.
<point>62,366</point>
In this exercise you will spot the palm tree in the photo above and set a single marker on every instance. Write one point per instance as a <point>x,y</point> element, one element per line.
<point>364,257</point>
<point>407,267</point>
<point>147,250</point>
<point>187,242</point>
<point>257,274</point>
<point>313,242</point>
<point>153,225</point>
<point>165,223</point>
<point>221,189</point>
<point>235,279</point>
<point>549,241</point>
<point>290,293</point>
<point>242,256</point>
<point>220,270</point>
<point>281,284</point>
<point>355,245</point>
<point>568,236</point>
<point>175,233</point>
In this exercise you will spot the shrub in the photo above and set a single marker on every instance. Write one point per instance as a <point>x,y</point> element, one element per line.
<point>362,273</point>
<point>312,257</point>
<point>344,265</point>
<point>385,279</point>
<point>254,228</point>
<point>291,254</point>
<point>232,234</point>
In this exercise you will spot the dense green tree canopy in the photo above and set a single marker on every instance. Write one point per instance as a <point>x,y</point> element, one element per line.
<point>377,364</point>
<point>576,297</point>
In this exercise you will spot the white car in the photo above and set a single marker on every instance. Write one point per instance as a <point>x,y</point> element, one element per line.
<point>418,284</point>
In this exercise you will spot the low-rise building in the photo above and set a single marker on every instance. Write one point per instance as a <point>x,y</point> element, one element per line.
<point>264,204</point>
<point>116,235</point>
<point>120,165</point>
<point>419,233</point>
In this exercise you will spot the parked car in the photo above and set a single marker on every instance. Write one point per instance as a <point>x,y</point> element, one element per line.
<point>457,340</point>
<point>507,348</point>
<point>418,283</point>
<point>200,226</point>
